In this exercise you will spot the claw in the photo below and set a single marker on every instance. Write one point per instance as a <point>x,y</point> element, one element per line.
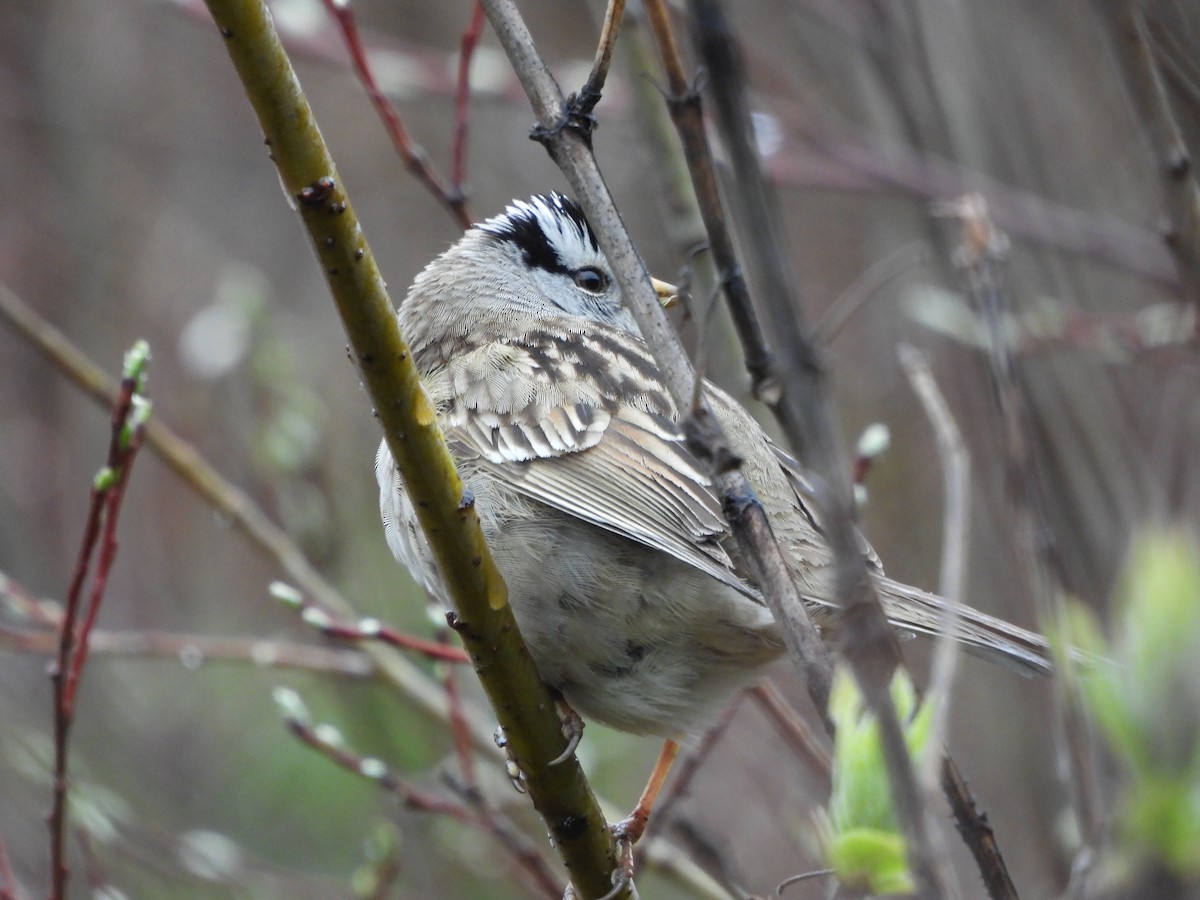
<point>572,730</point>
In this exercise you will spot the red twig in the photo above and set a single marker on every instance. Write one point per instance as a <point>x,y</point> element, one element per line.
<point>108,552</point>
<point>195,650</point>
<point>410,152</point>
<point>460,728</point>
<point>327,741</point>
<point>107,497</point>
<point>374,769</point>
<point>8,884</point>
<point>462,98</point>
<point>24,604</point>
<point>364,629</point>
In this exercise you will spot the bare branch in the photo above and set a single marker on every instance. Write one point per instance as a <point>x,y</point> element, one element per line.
<point>864,637</point>
<point>462,109</point>
<point>369,629</point>
<point>413,155</point>
<point>1153,106</point>
<point>956,479</point>
<point>589,94</point>
<point>196,650</point>
<point>99,547</point>
<point>229,502</point>
<point>569,149</point>
<point>329,743</point>
<point>981,255</point>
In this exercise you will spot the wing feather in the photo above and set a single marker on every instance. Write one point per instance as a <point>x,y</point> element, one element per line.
<point>618,461</point>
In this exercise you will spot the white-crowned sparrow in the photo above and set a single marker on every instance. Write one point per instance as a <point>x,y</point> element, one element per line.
<point>623,575</point>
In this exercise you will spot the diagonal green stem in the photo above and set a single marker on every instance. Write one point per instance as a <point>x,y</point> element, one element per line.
<point>522,703</point>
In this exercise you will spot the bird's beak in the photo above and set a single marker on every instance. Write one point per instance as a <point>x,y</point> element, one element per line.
<point>668,294</point>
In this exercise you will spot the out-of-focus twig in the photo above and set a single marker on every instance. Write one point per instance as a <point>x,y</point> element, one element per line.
<point>231,503</point>
<point>196,650</point>
<point>808,747</point>
<point>413,155</point>
<point>462,108</point>
<point>1153,104</point>
<point>956,479</point>
<point>974,829</point>
<point>829,163</point>
<point>527,853</point>
<point>8,883</point>
<point>864,637</point>
<point>684,771</point>
<point>329,742</point>
<point>866,286</point>
<point>981,255</point>
<point>369,629</point>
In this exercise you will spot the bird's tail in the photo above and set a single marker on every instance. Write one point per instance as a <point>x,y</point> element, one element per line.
<point>995,640</point>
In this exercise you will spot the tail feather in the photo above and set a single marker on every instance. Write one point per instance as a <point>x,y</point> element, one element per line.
<point>987,637</point>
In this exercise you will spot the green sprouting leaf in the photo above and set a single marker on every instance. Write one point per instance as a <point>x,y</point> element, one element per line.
<point>1143,693</point>
<point>137,358</point>
<point>872,861</point>
<point>861,835</point>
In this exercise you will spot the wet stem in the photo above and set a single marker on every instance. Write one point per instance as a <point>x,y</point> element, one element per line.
<point>107,496</point>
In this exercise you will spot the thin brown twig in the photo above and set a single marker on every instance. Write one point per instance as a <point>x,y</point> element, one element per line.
<point>1153,104</point>
<point>414,156</point>
<point>981,256</point>
<point>460,728</point>
<point>328,742</point>
<point>8,883</point>
<point>684,106</point>
<point>108,551</point>
<point>589,95</point>
<point>525,851</point>
<point>196,650</point>
<point>363,630</point>
<point>864,637</point>
<point>462,103</point>
<point>808,747</point>
<point>956,521</point>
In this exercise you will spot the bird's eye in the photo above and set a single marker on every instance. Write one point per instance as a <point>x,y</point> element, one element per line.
<point>590,279</point>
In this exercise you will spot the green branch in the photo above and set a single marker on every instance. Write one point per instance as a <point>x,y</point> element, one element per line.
<point>522,703</point>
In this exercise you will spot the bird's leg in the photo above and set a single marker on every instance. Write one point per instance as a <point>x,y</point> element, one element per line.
<point>630,829</point>
<point>572,730</point>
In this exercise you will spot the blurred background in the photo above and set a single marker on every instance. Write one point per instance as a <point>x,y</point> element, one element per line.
<point>139,202</point>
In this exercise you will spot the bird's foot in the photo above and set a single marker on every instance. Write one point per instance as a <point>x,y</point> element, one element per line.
<point>572,730</point>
